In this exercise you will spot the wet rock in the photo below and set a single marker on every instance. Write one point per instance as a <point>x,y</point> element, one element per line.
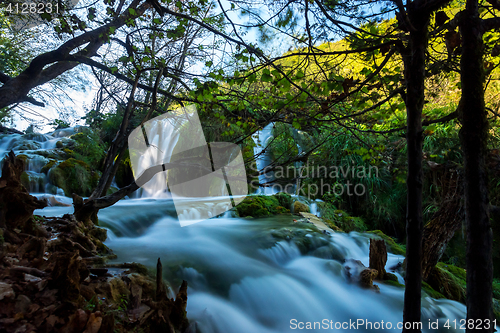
<point>94,323</point>
<point>6,291</point>
<point>22,304</point>
<point>299,207</point>
<point>366,277</point>
<point>99,233</point>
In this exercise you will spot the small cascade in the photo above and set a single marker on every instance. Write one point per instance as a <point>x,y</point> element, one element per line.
<point>313,207</point>
<point>37,150</point>
<point>262,140</point>
<point>157,186</point>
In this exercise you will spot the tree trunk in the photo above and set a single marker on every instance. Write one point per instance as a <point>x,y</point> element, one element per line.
<point>414,62</point>
<point>473,137</point>
<point>448,219</point>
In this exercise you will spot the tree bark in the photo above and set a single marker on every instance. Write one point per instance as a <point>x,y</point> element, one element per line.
<point>414,61</point>
<point>378,257</point>
<point>473,137</point>
<point>448,219</point>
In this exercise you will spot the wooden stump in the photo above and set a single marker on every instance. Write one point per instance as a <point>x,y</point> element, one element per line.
<point>378,257</point>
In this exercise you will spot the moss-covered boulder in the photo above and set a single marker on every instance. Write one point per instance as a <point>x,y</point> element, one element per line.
<point>261,205</point>
<point>392,246</point>
<point>448,280</point>
<point>300,207</point>
<point>45,169</point>
<point>33,182</point>
<point>340,218</point>
<point>284,199</point>
<point>74,176</point>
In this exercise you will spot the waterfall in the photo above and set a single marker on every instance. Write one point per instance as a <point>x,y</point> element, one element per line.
<point>35,147</point>
<point>262,140</point>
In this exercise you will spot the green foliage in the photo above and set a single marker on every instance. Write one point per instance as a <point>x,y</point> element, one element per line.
<point>58,124</point>
<point>88,147</point>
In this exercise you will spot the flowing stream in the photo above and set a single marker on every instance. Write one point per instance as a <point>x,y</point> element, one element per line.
<point>262,275</point>
<point>249,275</point>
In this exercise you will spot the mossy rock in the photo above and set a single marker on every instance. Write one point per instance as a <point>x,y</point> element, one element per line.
<point>260,205</point>
<point>48,166</point>
<point>392,283</point>
<point>300,207</point>
<point>23,157</point>
<point>426,288</point>
<point>32,181</point>
<point>74,176</point>
<point>430,291</point>
<point>449,280</point>
<point>26,145</point>
<point>340,218</point>
<point>99,233</point>
<point>284,199</point>
<point>392,246</point>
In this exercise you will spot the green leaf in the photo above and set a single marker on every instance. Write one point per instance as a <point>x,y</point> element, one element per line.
<point>132,11</point>
<point>266,77</point>
<point>46,16</point>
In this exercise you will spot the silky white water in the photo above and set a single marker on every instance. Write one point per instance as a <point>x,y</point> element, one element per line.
<point>249,275</point>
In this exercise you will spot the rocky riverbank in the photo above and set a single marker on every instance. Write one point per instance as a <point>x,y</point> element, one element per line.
<point>54,276</point>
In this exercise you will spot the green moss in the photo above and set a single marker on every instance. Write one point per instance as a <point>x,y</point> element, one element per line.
<point>449,280</point>
<point>284,199</point>
<point>259,205</point>
<point>430,291</point>
<point>392,246</point>
<point>69,152</point>
<point>390,277</point>
<point>496,288</point>
<point>392,283</point>
<point>23,157</point>
<point>48,166</point>
<point>341,218</point>
<point>74,176</point>
<point>25,179</point>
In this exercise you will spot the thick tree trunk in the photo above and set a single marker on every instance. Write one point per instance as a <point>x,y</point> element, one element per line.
<point>415,76</point>
<point>448,219</point>
<point>473,136</point>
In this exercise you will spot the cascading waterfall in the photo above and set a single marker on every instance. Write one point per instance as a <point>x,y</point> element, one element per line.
<point>263,158</point>
<point>31,145</point>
